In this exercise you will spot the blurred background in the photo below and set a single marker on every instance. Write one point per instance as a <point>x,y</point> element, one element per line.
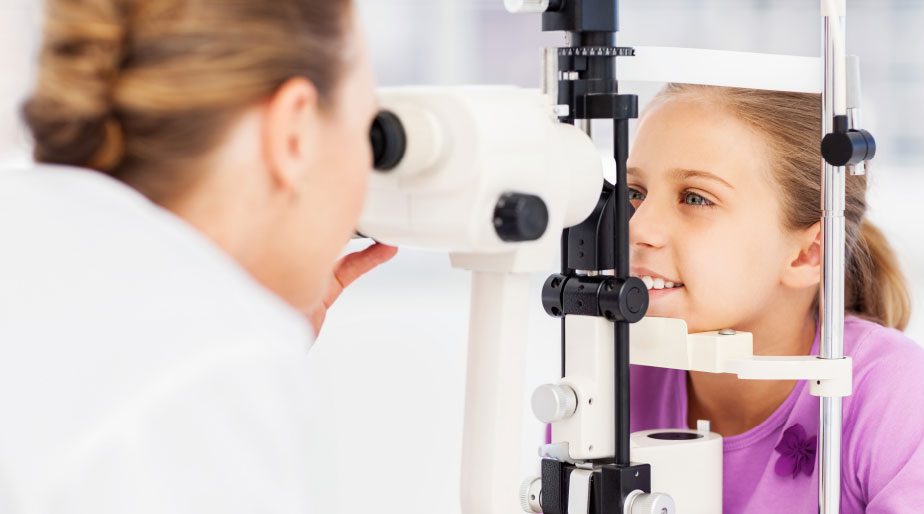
<point>393,350</point>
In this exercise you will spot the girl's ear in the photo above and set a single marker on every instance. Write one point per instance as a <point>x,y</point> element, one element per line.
<point>804,269</point>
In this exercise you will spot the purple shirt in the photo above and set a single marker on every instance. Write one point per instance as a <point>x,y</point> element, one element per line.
<point>882,463</point>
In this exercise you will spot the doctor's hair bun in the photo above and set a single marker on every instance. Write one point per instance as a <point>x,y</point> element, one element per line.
<point>143,90</point>
<point>71,110</point>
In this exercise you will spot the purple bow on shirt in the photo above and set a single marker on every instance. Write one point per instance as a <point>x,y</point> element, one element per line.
<point>797,453</point>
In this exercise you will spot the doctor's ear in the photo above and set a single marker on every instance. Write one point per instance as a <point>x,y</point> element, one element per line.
<point>290,133</point>
<point>804,268</point>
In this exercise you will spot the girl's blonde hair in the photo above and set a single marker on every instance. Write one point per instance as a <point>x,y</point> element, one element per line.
<point>791,123</point>
<point>140,89</point>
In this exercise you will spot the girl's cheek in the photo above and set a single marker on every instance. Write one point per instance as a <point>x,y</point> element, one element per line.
<point>715,271</point>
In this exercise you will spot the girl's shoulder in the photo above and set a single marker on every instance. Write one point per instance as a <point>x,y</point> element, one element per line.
<point>876,350</point>
<point>888,368</point>
<point>883,443</point>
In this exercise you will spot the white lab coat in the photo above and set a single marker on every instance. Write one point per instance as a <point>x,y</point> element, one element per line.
<point>141,369</point>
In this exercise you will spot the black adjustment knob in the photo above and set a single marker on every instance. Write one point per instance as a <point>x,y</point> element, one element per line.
<point>624,300</point>
<point>519,217</point>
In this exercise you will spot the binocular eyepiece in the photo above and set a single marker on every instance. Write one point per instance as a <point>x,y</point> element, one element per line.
<point>389,141</point>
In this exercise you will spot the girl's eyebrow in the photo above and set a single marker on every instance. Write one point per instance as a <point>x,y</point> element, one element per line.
<point>683,174</point>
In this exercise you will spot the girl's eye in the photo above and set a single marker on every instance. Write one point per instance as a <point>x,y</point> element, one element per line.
<point>635,195</point>
<point>695,200</point>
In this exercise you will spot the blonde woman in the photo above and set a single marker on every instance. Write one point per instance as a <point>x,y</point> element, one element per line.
<point>165,267</point>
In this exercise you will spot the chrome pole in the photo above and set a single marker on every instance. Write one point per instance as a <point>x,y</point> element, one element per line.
<point>833,200</point>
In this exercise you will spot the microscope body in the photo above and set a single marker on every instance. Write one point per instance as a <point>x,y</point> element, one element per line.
<point>488,175</point>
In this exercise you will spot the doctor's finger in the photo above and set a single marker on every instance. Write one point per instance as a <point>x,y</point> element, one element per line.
<point>359,263</point>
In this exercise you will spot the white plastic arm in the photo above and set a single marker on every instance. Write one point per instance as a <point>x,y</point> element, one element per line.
<point>665,343</point>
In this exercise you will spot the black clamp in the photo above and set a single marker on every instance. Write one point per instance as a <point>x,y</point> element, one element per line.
<point>847,147</point>
<point>610,485</point>
<point>604,296</point>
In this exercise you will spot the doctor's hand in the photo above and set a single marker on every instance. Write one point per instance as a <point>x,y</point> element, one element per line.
<point>347,270</point>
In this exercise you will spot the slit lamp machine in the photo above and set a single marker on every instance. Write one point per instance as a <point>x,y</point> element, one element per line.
<point>509,182</point>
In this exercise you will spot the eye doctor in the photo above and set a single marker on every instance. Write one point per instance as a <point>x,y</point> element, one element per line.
<point>166,264</point>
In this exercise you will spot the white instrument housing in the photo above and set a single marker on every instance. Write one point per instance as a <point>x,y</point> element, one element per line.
<point>466,147</point>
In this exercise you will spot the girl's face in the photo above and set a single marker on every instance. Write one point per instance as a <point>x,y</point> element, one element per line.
<point>708,217</point>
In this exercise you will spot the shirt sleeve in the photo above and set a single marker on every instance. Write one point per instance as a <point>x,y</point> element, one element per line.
<point>240,432</point>
<point>885,445</point>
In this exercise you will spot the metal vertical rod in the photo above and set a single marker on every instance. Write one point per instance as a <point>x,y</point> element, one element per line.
<point>833,201</point>
<point>621,267</point>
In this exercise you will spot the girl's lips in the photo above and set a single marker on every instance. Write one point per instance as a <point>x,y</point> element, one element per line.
<point>661,292</point>
<point>640,271</point>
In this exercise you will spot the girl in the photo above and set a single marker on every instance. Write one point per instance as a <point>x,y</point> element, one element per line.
<point>161,285</point>
<point>726,183</point>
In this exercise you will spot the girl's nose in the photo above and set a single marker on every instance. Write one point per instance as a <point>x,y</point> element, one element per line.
<point>646,229</point>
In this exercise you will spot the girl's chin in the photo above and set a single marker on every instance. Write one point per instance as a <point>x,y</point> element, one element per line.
<point>662,303</point>
<point>656,311</point>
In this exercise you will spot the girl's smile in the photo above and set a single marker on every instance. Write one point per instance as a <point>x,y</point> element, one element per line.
<point>658,285</point>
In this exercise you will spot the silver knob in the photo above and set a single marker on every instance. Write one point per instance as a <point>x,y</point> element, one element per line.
<point>531,494</point>
<point>526,6</point>
<point>553,403</point>
<point>654,503</point>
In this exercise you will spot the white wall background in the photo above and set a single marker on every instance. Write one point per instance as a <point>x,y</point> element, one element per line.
<point>393,349</point>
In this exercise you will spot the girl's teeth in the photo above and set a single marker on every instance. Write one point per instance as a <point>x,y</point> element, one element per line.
<point>659,283</point>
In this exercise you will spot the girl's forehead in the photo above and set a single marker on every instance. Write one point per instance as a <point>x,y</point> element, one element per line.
<point>681,139</point>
